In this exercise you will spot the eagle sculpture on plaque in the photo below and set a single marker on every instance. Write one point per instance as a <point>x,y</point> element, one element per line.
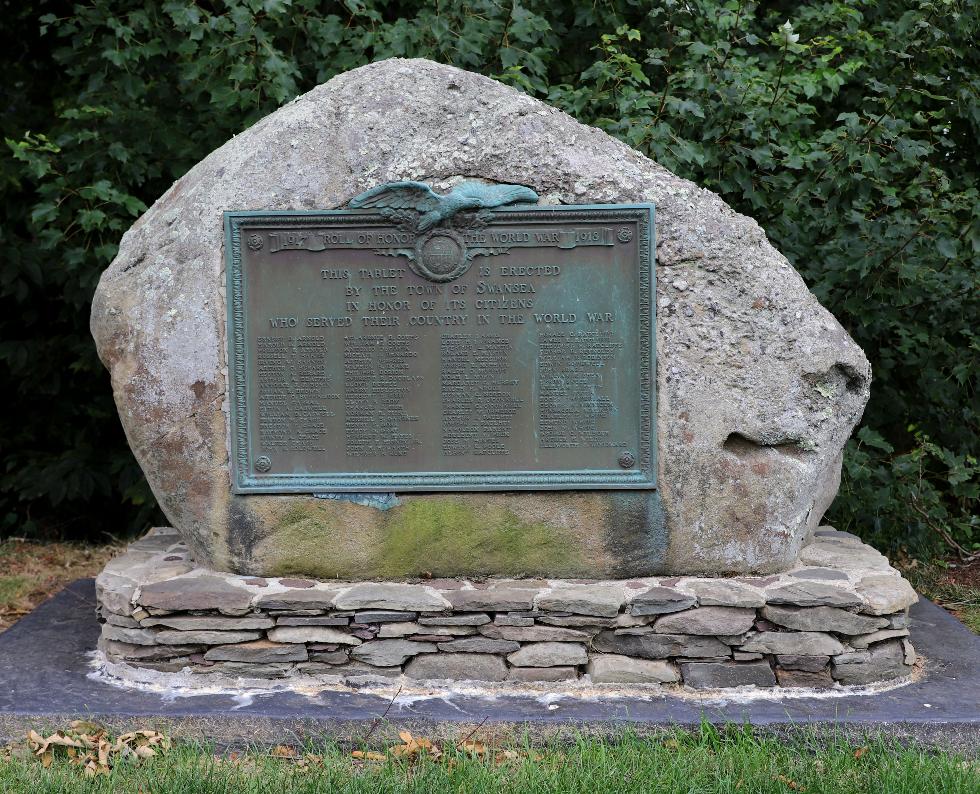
<point>439,222</point>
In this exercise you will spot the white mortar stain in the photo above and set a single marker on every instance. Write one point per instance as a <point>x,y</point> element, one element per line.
<point>404,693</point>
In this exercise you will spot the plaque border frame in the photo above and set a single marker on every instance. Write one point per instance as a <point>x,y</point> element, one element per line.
<point>642,476</point>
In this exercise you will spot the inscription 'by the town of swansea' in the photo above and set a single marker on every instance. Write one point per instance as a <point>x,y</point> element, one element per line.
<point>426,342</point>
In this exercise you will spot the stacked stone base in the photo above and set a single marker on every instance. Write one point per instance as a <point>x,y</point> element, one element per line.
<point>840,617</point>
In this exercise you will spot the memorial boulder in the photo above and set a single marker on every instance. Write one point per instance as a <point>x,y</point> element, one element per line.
<point>434,382</point>
<point>754,391</point>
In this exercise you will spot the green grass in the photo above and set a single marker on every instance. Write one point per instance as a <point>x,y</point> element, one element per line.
<point>12,589</point>
<point>705,760</point>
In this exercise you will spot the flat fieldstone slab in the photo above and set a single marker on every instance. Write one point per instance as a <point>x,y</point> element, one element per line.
<point>793,642</point>
<point>883,594</point>
<point>836,555</point>
<point>409,598</point>
<point>866,640</point>
<point>312,634</point>
<point>602,600</point>
<point>549,654</point>
<point>495,600</point>
<point>458,666</point>
<point>810,664</point>
<point>724,592</point>
<point>820,574</point>
<point>814,594</point>
<point>146,653</point>
<point>311,620</point>
<point>297,599</point>
<point>535,633</point>
<point>258,652</point>
<point>188,593</point>
<point>822,619</point>
<point>712,675</point>
<point>660,601</point>
<point>174,637</point>
<point>884,661</point>
<point>479,645</point>
<point>613,669</point>
<point>204,623</point>
<point>712,621</point>
<point>659,646</point>
<point>388,653</point>
<point>477,619</point>
<point>542,674</point>
<point>809,679</point>
<point>130,636</point>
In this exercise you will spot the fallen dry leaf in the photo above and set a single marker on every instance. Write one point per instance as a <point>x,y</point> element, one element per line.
<point>309,760</point>
<point>95,752</point>
<point>283,751</point>
<point>414,746</point>
<point>860,751</point>
<point>473,747</point>
<point>369,755</point>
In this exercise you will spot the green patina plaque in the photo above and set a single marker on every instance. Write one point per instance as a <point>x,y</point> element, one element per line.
<point>425,342</point>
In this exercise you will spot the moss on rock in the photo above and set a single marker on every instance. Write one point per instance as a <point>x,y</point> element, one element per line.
<point>325,540</point>
<point>448,536</point>
<point>441,535</point>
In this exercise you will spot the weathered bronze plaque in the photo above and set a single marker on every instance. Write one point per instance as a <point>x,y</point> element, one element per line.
<point>414,346</point>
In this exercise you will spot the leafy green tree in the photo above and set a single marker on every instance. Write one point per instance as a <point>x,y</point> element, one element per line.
<point>847,128</point>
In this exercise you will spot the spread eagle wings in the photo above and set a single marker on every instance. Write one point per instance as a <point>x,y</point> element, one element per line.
<point>399,196</point>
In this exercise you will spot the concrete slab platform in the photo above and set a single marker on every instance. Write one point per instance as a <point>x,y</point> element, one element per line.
<point>45,680</point>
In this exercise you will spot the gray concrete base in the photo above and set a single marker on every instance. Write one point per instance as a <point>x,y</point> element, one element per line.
<point>46,678</point>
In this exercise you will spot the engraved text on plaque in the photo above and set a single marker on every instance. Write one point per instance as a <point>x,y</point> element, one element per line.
<point>502,349</point>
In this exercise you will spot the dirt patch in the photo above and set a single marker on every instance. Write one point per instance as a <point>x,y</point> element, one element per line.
<point>964,575</point>
<point>951,584</point>
<point>30,573</point>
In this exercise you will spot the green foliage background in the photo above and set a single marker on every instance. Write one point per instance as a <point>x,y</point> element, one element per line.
<point>849,129</point>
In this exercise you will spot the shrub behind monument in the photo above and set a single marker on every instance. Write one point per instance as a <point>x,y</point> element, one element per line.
<point>855,158</point>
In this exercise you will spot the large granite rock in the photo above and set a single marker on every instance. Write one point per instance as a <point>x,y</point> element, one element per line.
<point>758,385</point>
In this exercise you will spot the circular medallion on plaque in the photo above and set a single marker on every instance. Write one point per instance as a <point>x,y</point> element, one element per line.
<point>440,255</point>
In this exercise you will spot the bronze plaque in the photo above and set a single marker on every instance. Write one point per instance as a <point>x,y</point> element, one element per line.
<point>504,349</point>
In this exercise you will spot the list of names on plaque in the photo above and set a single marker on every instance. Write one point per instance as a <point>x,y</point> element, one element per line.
<point>576,372</point>
<point>478,394</point>
<point>294,392</point>
<point>378,378</point>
